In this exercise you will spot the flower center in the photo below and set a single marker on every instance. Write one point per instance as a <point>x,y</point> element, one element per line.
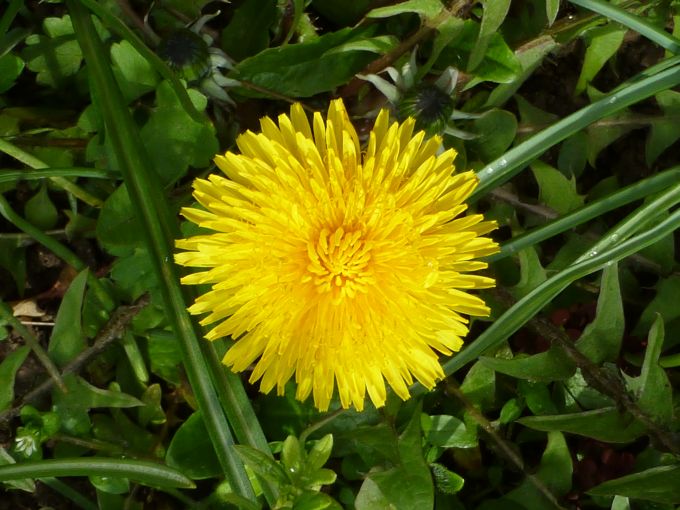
<point>339,262</point>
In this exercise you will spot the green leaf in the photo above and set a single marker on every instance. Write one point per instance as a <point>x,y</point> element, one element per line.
<point>134,274</point>
<point>165,355</point>
<point>603,43</point>
<point>292,454</point>
<point>320,452</point>
<point>556,191</point>
<point>40,210</point>
<point>654,391</point>
<point>445,480</point>
<point>56,56</point>
<point>552,365</point>
<point>601,135</point>
<point>664,303</point>
<point>555,471</point>
<point>551,9</point>
<point>496,131</point>
<point>664,131</point>
<point>174,139</point>
<point>532,273</point>
<point>82,394</point>
<point>262,465</point>
<point>118,229</point>
<point>601,339</point>
<point>8,371</point>
<point>427,9</point>
<point>191,451</point>
<point>406,486</point>
<point>307,68</point>
<point>450,432</point>
<point>479,386</point>
<point>135,75</point>
<point>606,424</point>
<point>67,339</point>
<point>573,155</point>
<point>500,65</point>
<point>495,12</point>
<point>658,484</point>
<point>248,30</point>
<point>10,69</point>
<point>13,259</point>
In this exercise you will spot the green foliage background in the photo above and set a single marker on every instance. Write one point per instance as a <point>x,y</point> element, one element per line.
<point>564,398</point>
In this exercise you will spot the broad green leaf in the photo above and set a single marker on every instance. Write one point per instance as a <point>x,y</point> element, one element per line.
<point>606,424</point>
<point>664,131</point>
<point>580,396</point>
<point>428,9</point>
<point>573,155</point>
<point>532,116</point>
<point>529,58</point>
<point>537,397</point>
<point>110,484</point>
<point>653,389</point>
<point>603,42</point>
<point>292,454</point>
<point>407,485</point>
<point>164,355</point>
<point>658,484</point>
<point>479,386</point>
<point>379,44</point>
<point>173,139</point>
<point>306,69</point>
<point>496,131</point>
<point>606,132</point>
<point>551,9</point>
<point>320,452</point>
<point>40,210</point>
<point>555,472</point>
<point>248,30</point>
<point>118,229</point>
<point>10,69</point>
<point>661,252</point>
<point>191,451</point>
<point>134,274</point>
<point>555,190</point>
<point>664,303</point>
<point>552,365</point>
<point>450,432</point>
<point>55,56</point>
<point>495,12</point>
<point>601,339</point>
<point>67,339</point>
<point>8,371</point>
<point>532,273</point>
<point>134,74</point>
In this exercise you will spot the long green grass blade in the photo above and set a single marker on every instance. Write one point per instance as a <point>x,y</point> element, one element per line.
<point>31,175</point>
<point>161,228</point>
<point>147,473</point>
<point>624,196</point>
<point>512,162</point>
<point>517,315</point>
<point>636,23</point>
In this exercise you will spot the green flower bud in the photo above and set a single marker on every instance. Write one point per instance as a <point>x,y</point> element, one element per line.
<point>187,54</point>
<point>429,105</point>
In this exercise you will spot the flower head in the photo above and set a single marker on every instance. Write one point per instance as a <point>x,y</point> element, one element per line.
<point>336,265</point>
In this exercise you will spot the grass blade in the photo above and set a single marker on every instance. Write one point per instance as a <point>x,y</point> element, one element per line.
<point>161,228</point>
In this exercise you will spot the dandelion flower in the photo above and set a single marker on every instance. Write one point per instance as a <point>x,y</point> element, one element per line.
<point>337,266</point>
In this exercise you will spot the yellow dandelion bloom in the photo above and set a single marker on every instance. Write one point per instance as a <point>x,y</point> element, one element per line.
<point>335,265</point>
